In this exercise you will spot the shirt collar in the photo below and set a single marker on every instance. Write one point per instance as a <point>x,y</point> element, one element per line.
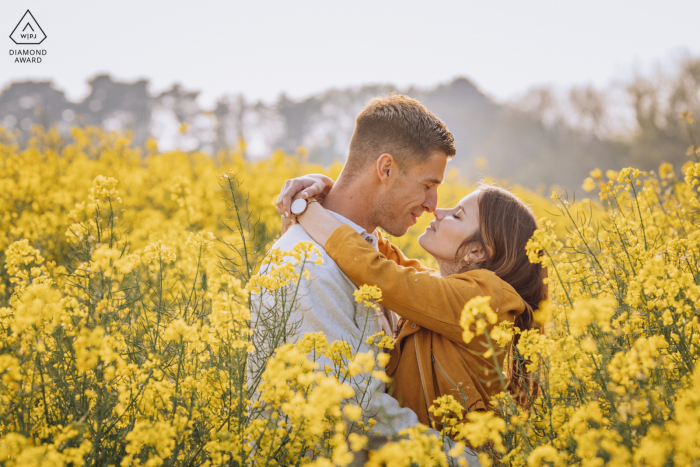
<point>369,238</point>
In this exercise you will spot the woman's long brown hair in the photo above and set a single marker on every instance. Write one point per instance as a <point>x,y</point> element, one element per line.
<point>506,224</point>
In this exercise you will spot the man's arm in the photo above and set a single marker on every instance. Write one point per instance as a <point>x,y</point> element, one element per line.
<point>326,303</point>
<point>329,306</point>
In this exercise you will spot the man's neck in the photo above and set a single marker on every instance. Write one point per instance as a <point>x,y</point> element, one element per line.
<point>348,201</point>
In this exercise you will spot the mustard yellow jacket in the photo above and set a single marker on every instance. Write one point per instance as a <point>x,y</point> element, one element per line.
<point>429,359</point>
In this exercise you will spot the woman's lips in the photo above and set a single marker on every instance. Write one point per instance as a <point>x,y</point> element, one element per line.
<point>431,227</point>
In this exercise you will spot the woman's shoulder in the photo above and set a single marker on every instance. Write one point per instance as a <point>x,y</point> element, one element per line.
<point>480,275</point>
<point>501,292</point>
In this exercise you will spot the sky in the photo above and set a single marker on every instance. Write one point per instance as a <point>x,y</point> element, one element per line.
<point>261,48</point>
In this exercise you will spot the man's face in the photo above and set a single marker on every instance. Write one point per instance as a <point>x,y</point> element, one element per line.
<point>410,194</point>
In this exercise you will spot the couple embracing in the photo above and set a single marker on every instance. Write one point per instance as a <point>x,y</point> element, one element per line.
<point>397,159</point>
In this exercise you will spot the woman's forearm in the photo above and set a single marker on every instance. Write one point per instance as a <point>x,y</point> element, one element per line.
<point>318,223</point>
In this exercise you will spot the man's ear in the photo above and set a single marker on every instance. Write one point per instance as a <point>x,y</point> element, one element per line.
<point>386,167</point>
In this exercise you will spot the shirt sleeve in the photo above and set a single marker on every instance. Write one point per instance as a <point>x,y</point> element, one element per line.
<point>325,303</point>
<point>324,288</point>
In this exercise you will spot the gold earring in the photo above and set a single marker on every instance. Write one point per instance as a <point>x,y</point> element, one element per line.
<point>467,260</point>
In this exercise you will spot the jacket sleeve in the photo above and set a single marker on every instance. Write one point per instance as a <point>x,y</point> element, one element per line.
<point>430,301</point>
<point>393,253</point>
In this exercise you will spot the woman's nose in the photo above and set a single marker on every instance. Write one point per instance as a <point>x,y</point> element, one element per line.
<point>439,214</point>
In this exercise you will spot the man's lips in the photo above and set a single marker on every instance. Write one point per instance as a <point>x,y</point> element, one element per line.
<point>416,215</point>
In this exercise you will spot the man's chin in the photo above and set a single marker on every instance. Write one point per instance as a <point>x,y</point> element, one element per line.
<point>395,231</point>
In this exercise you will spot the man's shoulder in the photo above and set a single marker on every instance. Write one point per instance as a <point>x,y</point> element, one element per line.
<point>296,234</point>
<point>292,236</point>
<point>326,278</point>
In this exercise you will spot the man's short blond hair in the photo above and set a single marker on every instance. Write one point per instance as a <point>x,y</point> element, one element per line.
<point>400,126</point>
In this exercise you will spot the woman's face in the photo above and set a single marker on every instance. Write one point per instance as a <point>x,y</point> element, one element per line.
<point>450,228</point>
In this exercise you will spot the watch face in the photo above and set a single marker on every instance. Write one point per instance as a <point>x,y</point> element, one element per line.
<point>298,206</point>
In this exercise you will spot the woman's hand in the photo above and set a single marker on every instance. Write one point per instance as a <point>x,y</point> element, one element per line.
<point>287,221</point>
<point>310,185</point>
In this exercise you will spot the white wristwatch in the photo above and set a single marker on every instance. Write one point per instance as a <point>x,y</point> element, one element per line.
<point>299,206</point>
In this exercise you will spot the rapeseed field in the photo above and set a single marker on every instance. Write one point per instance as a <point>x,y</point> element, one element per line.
<point>126,288</point>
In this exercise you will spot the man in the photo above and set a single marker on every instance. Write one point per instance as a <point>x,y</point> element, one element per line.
<point>397,158</point>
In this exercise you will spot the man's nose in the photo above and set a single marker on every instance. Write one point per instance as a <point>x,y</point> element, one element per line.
<point>430,202</point>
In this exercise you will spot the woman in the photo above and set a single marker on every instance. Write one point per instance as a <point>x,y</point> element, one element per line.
<point>479,246</point>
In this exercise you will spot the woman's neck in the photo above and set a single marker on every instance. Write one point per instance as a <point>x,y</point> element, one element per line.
<point>447,267</point>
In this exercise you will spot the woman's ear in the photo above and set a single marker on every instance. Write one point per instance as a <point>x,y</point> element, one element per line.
<point>477,254</point>
<point>386,167</point>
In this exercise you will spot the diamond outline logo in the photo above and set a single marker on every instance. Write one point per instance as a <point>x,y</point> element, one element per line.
<point>28,23</point>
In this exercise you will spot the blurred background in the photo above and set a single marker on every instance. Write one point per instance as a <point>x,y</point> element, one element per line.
<point>537,93</point>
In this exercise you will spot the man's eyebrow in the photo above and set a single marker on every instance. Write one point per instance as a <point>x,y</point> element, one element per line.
<point>433,180</point>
